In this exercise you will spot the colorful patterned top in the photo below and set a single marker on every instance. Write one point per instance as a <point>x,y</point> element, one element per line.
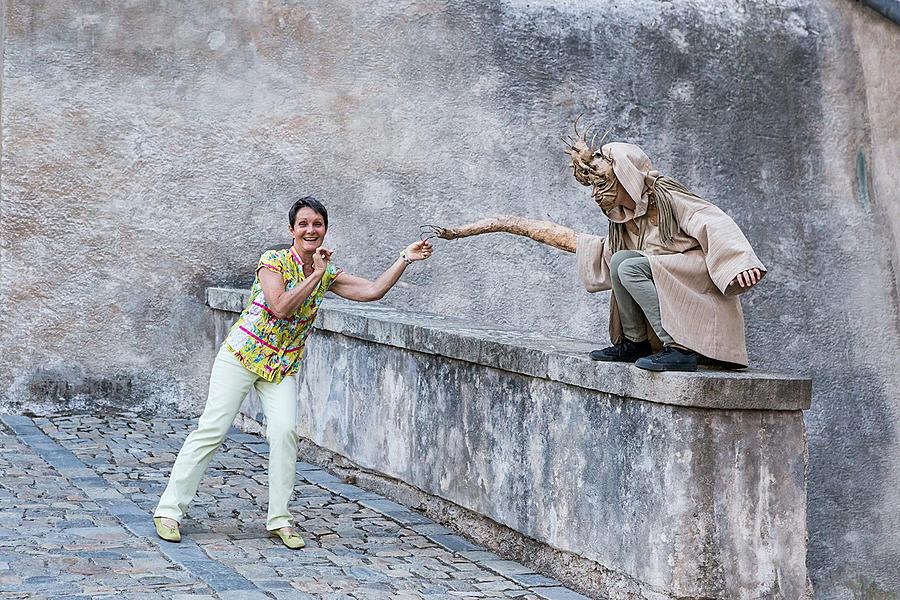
<point>268,346</point>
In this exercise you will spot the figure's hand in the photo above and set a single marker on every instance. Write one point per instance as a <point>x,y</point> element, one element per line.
<point>747,279</point>
<point>445,233</point>
<point>419,250</point>
<point>321,258</point>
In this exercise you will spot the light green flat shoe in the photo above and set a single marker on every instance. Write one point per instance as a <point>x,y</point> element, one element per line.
<point>170,534</point>
<point>292,540</point>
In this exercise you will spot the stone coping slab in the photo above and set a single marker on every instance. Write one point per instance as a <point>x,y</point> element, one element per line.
<point>555,358</point>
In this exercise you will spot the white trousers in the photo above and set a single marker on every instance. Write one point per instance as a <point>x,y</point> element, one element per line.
<point>228,386</point>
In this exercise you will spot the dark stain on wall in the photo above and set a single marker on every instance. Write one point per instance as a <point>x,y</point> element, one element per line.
<point>55,391</point>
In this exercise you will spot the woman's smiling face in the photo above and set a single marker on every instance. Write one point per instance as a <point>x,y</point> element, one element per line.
<point>308,230</point>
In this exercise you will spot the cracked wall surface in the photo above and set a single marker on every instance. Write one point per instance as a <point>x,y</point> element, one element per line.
<point>149,152</point>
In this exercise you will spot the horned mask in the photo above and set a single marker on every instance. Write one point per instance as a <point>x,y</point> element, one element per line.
<point>618,165</point>
<point>592,167</point>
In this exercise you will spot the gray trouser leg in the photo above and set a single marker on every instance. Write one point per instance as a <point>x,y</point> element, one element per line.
<point>629,311</point>
<point>636,295</point>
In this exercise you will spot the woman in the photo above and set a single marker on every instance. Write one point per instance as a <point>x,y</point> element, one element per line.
<point>264,349</point>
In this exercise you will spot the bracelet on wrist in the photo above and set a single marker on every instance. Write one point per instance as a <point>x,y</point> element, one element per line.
<point>405,258</point>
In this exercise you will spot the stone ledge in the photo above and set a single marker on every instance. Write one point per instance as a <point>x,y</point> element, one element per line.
<point>555,358</point>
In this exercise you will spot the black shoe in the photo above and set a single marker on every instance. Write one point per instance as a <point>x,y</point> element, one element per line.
<point>626,351</point>
<point>669,359</point>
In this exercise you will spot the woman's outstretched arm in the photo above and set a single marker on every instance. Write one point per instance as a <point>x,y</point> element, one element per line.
<point>360,289</point>
<point>545,232</point>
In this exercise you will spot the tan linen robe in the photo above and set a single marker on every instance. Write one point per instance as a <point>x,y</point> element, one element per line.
<point>692,273</point>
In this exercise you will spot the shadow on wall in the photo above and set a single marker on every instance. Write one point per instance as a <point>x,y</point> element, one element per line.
<point>889,9</point>
<point>849,498</point>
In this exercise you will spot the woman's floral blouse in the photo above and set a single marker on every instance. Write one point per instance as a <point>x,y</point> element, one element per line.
<point>268,346</point>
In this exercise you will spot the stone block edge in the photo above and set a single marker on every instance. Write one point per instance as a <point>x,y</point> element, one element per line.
<point>554,358</point>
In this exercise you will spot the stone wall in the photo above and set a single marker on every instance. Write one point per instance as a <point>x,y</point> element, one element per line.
<point>150,151</point>
<point>678,485</point>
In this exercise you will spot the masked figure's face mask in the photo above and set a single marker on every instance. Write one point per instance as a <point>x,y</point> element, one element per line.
<point>592,168</point>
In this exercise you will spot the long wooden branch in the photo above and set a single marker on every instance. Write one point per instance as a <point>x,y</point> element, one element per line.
<point>545,232</point>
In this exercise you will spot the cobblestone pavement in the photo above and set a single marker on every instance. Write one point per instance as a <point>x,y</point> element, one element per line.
<point>77,494</point>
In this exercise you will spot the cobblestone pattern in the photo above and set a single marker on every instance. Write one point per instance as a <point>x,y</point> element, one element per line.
<point>57,542</point>
<point>80,527</point>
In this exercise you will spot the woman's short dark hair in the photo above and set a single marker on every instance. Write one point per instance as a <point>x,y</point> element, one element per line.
<point>308,202</point>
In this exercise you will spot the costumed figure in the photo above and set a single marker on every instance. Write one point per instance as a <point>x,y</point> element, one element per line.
<point>675,262</point>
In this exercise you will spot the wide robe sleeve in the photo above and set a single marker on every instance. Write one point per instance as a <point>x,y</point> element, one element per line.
<point>592,254</point>
<point>724,245</point>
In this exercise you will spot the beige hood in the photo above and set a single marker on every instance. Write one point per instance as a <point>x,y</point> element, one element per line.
<point>631,165</point>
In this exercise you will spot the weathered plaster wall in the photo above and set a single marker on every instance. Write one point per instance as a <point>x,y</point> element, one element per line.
<point>852,348</point>
<point>148,151</point>
<point>878,42</point>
